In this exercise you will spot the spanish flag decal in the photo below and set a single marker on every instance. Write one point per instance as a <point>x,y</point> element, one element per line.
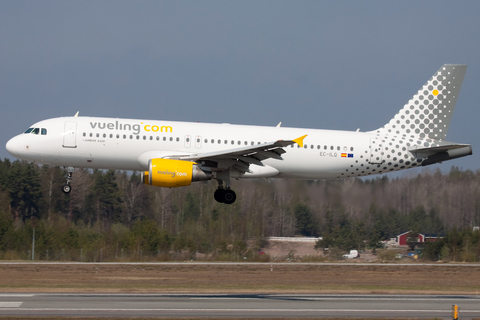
<point>344,155</point>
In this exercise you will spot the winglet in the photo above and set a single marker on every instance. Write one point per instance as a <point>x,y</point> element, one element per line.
<point>299,140</point>
<point>76,114</point>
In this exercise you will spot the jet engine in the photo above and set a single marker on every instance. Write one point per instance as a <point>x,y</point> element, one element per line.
<point>173,173</point>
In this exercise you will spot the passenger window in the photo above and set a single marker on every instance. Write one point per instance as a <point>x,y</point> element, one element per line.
<point>98,135</point>
<point>118,136</point>
<point>226,142</point>
<point>104,135</point>
<point>206,140</point>
<point>318,147</point>
<point>151,137</point>
<point>138,137</point>
<point>305,146</point>
<point>164,138</point>
<point>158,138</point>
<point>171,138</point>
<point>331,147</point>
<point>178,139</point>
<point>29,130</point>
<point>44,131</point>
<point>338,148</point>
<point>131,137</point>
<point>312,146</point>
<point>124,136</point>
<point>212,141</point>
<point>351,148</point>
<point>111,136</point>
<point>233,142</point>
<point>325,147</point>
<point>84,134</point>
<point>188,139</point>
<point>239,142</point>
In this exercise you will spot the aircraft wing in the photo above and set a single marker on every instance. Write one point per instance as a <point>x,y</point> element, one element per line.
<point>241,158</point>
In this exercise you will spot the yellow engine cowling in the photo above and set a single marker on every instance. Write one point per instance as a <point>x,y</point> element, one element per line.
<point>173,173</point>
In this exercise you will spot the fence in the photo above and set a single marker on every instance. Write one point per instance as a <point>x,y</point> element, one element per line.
<point>97,255</point>
<point>132,255</point>
<point>294,239</point>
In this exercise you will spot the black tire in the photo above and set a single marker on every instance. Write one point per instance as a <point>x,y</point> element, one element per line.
<point>219,195</point>
<point>229,197</point>
<point>66,188</point>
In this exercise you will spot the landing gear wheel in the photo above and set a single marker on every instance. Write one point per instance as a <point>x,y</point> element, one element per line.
<point>219,195</point>
<point>229,197</point>
<point>66,188</point>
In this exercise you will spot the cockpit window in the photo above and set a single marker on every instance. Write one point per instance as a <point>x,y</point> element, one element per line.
<point>41,131</point>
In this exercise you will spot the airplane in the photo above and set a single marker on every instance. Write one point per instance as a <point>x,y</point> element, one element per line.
<point>175,154</point>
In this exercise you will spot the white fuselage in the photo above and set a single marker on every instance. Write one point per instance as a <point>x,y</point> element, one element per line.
<point>128,144</point>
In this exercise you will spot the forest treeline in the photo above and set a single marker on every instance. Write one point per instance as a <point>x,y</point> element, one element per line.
<point>111,215</point>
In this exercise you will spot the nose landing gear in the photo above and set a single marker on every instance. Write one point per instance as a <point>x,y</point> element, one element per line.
<point>66,188</point>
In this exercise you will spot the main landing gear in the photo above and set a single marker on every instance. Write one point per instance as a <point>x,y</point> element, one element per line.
<point>66,187</point>
<point>226,196</point>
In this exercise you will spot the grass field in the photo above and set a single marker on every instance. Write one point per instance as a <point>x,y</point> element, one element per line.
<point>230,318</point>
<point>195,278</point>
<point>141,318</point>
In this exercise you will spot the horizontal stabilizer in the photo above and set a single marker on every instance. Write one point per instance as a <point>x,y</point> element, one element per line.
<point>441,153</point>
<point>421,152</point>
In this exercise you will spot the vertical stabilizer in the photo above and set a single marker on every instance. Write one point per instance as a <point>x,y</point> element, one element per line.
<point>429,112</point>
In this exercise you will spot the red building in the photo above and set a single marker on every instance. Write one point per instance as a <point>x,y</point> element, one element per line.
<point>421,237</point>
<point>403,237</point>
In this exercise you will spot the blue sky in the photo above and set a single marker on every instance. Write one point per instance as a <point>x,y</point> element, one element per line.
<point>315,64</point>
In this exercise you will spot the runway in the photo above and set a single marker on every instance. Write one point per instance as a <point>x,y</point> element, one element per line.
<point>238,305</point>
<point>353,263</point>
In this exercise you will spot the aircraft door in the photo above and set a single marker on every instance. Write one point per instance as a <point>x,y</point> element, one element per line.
<point>376,151</point>
<point>188,141</point>
<point>198,142</point>
<point>70,135</point>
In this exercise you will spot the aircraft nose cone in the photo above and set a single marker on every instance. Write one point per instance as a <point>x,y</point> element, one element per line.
<point>13,146</point>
